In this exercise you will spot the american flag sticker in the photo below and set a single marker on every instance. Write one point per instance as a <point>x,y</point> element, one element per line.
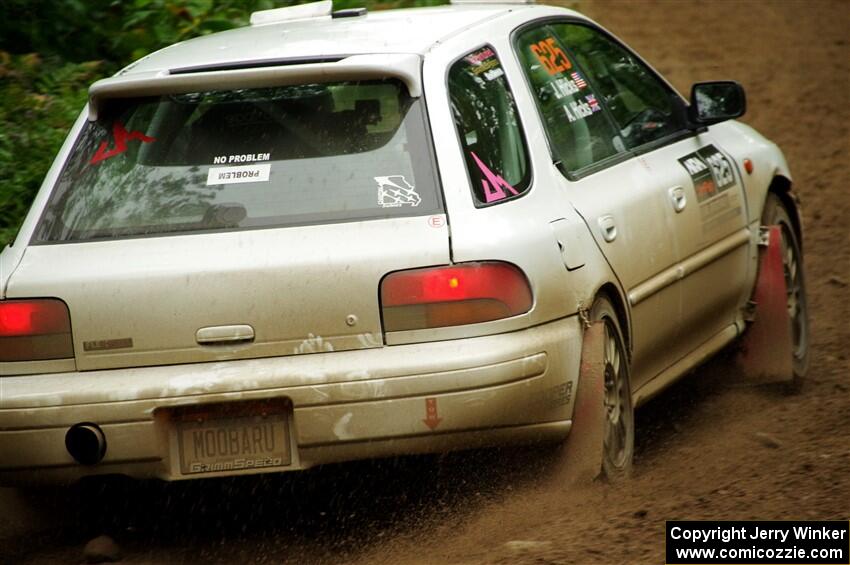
<point>578,80</point>
<point>594,104</point>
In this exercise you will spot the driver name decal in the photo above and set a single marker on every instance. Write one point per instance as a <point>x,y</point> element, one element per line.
<point>579,109</point>
<point>563,87</point>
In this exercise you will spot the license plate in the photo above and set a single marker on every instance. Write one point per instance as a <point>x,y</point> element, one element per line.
<point>213,442</point>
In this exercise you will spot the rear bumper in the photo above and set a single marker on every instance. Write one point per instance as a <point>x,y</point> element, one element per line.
<point>507,388</point>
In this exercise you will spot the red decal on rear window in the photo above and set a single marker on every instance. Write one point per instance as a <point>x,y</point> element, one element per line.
<point>493,190</point>
<point>121,136</point>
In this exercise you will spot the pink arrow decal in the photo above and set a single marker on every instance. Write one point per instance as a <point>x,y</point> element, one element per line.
<point>492,189</point>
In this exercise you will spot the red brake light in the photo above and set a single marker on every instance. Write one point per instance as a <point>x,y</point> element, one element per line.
<point>33,317</point>
<point>467,293</point>
<point>32,330</point>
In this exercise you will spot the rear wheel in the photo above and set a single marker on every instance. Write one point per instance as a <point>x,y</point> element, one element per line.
<point>618,445</point>
<point>776,214</point>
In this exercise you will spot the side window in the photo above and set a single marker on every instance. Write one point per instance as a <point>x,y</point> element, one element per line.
<point>489,128</point>
<point>580,133</point>
<point>642,106</point>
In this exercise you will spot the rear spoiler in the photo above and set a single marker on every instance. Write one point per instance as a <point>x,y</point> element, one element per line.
<point>405,67</point>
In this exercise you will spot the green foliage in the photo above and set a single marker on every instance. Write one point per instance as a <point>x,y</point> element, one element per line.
<point>152,24</point>
<point>114,30</point>
<point>39,100</point>
<point>52,50</point>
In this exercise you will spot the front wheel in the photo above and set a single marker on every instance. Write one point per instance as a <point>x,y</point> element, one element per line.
<point>776,214</point>
<point>619,434</point>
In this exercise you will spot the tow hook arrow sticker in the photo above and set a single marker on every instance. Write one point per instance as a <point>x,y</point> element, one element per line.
<point>431,419</point>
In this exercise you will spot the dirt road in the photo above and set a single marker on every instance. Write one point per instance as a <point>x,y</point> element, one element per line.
<point>707,449</point>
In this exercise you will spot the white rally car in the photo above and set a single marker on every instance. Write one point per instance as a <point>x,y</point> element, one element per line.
<point>337,235</point>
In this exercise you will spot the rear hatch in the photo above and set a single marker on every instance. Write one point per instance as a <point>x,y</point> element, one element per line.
<point>237,224</point>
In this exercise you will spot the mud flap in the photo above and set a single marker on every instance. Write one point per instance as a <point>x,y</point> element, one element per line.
<point>583,451</point>
<point>766,354</point>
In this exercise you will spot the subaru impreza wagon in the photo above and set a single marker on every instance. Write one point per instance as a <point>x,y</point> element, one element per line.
<point>339,235</point>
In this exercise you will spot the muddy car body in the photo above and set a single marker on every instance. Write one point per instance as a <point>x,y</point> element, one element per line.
<point>261,250</point>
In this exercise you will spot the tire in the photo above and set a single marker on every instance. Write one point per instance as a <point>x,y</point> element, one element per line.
<point>775,213</point>
<point>618,447</point>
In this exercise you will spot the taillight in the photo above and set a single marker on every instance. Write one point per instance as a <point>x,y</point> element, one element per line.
<point>34,330</point>
<point>466,293</point>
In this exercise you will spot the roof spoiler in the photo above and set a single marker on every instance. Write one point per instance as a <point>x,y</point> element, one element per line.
<point>405,67</point>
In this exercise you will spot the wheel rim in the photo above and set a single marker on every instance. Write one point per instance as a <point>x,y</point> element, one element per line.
<point>617,400</point>
<point>795,292</point>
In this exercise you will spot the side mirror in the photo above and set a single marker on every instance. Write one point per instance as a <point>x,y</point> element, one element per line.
<point>717,101</point>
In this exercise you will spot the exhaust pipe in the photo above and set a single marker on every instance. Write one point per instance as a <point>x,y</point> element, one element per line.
<point>86,443</point>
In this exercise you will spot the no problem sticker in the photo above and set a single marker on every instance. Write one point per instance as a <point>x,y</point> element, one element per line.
<point>246,158</point>
<point>240,174</point>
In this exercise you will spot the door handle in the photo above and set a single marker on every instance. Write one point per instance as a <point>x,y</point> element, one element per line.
<point>213,335</point>
<point>608,227</point>
<point>678,198</point>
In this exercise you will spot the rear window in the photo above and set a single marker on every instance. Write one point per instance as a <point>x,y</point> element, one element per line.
<point>242,159</point>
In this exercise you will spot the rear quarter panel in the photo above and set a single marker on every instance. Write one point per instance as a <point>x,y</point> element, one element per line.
<point>517,231</point>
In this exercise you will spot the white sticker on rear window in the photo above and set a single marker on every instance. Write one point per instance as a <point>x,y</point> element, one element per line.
<point>246,158</point>
<point>233,175</point>
<point>394,191</point>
